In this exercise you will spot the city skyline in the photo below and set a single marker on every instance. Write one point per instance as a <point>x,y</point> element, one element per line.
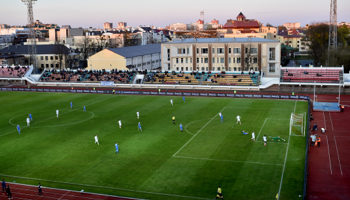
<point>91,13</point>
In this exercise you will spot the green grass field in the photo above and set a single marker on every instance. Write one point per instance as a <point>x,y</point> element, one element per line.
<point>161,162</point>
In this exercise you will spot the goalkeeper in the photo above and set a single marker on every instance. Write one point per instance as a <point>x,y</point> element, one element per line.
<point>277,139</point>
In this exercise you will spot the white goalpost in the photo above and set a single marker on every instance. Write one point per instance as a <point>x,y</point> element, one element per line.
<point>296,124</point>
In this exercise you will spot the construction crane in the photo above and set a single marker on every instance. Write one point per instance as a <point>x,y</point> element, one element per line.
<point>32,47</point>
<point>332,41</point>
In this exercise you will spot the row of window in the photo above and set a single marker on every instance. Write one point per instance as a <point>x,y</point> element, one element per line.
<point>217,60</point>
<point>50,65</point>
<point>182,51</point>
<point>213,69</point>
<point>148,63</point>
<point>47,57</point>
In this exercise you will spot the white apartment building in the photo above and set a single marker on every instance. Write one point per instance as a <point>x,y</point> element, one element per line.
<point>222,54</point>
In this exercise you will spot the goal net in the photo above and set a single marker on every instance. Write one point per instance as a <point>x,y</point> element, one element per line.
<point>296,125</point>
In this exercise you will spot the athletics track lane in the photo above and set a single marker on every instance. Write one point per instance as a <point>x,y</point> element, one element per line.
<point>329,164</point>
<point>28,192</point>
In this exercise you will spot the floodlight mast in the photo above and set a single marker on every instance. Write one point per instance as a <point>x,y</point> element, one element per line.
<point>32,47</point>
<point>333,32</point>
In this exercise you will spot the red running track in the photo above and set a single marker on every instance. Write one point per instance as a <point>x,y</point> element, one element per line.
<point>29,192</point>
<point>329,164</point>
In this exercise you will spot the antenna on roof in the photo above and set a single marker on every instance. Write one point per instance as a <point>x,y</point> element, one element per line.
<point>202,16</point>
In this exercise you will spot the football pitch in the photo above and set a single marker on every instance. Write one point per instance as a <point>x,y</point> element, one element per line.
<point>161,162</point>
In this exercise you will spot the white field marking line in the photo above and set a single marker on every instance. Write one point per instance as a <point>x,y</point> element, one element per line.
<point>284,143</point>
<point>54,115</point>
<point>285,161</point>
<point>63,195</point>
<point>10,120</point>
<point>330,117</point>
<point>224,160</point>
<point>336,147</point>
<point>324,121</point>
<point>187,125</point>
<point>284,168</point>
<point>31,195</point>
<point>257,138</point>
<point>107,187</point>
<point>205,125</point>
<point>46,192</point>
<point>59,125</point>
<point>59,189</point>
<point>92,115</point>
<point>329,157</point>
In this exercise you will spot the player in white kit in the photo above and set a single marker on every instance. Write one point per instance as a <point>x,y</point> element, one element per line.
<point>28,121</point>
<point>120,123</point>
<point>57,113</point>
<point>253,136</point>
<point>138,115</point>
<point>265,140</point>
<point>96,140</point>
<point>171,102</point>
<point>238,119</point>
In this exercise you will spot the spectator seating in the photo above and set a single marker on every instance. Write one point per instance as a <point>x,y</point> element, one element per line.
<point>196,78</point>
<point>87,76</point>
<point>318,75</point>
<point>172,78</point>
<point>13,72</point>
<point>230,79</point>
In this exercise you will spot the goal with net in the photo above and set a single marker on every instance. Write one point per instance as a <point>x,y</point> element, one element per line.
<point>296,124</point>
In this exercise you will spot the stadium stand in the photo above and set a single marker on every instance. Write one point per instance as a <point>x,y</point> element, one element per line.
<point>13,72</point>
<point>197,78</point>
<point>87,76</point>
<point>232,79</point>
<point>317,75</point>
<point>172,78</point>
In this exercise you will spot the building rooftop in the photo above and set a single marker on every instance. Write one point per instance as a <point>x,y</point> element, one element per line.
<point>221,40</point>
<point>133,51</point>
<point>40,49</point>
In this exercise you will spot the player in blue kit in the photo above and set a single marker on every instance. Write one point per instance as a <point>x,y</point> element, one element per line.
<point>116,148</point>
<point>139,127</point>
<point>18,129</point>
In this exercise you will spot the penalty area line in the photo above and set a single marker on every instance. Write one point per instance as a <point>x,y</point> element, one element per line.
<point>257,138</point>
<point>224,160</point>
<point>205,125</point>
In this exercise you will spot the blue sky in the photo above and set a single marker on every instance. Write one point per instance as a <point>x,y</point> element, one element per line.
<point>94,13</point>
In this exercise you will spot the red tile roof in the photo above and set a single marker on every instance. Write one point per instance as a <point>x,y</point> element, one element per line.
<point>248,31</point>
<point>242,24</point>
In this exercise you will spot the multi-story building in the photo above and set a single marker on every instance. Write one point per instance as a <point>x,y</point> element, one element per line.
<point>108,26</point>
<point>122,25</point>
<point>48,56</point>
<point>241,24</point>
<point>222,54</point>
<point>294,25</point>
